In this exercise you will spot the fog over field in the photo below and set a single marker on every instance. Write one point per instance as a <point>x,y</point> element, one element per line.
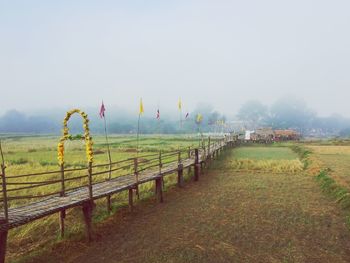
<point>56,55</point>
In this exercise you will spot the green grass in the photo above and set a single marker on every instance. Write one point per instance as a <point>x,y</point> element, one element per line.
<point>31,154</point>
<point>36,154</point>
<point>265,153</point>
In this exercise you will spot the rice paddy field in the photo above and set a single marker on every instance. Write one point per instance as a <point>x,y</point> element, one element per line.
<point>35,154</point>
<point>253,204</point>
<point>40,153</point>
<point>272,159</point>
<point>336,158</point>
<point>257,203</point>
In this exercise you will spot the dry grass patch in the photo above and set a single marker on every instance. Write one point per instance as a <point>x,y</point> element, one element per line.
<point>268,159</point>
<point>275,166</point>
<point>336,159</point>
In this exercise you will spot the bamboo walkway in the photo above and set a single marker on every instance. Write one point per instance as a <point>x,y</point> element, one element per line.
<point>84,196</point>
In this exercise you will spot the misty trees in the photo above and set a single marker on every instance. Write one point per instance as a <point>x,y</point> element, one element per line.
<point>17,122</point>
<point>253,113</point>
<point>284,113</point>
<point>119,121</point>
<point>290,113</point>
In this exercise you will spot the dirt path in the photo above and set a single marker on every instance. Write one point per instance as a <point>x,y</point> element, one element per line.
<point>225,217</point>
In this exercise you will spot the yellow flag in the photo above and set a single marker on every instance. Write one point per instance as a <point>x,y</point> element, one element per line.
<point>141,107</point>
<point>199,118</point>
<point>179,104</point>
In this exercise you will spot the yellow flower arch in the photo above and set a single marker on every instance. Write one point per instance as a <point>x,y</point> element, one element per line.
<point>66,135</point>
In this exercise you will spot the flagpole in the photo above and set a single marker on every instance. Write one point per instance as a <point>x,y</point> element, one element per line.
<point>108,148</point>
<point>137,152</point>
<point>180,119</point>
<point>180,112</point>
<point>158,122</point>
<point>2,155</point>
<point>138,132</point>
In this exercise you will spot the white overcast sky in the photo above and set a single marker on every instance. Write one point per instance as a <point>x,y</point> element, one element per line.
<point>61,54</point>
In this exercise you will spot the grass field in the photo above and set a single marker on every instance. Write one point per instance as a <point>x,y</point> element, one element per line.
<point>40,153</point>
<point>257,202</point>
<point>337,159</point>
<point>265,153</point>
<point>272,159</point>
<point>228,216</point>
<point>28,154</point>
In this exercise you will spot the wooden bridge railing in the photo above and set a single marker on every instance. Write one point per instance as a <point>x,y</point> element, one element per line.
<point>27,197</point>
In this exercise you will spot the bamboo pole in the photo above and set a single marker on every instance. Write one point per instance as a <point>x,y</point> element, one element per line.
<point>109,207</point>
<point>196,166</point>
<point>131,200</point>
<point>138,136</point>
<point>108,148</point>
<point>209,148</point>
<point>189,157</point>
<point>160,161</point>
<point>61,217</point>
<point>4,192</point>
<point>3,244</point>
<point>179,170</point>
<point>90,181</point>
<point>3,234</point>
<point>62,213</point>
<point>3,182</point>
<point>136,173</point>
<point>62,180</point>
<point>2,155</point>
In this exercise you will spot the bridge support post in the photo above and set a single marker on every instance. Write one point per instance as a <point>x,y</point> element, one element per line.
<point>87,211</point>
<point>109,204</point>
<point>3,242</point>
<point>159,190</point>
<point>180,178</point>
<point>209,151</point>
<point>90,180</point>
<point>189,157</point>
<point>196,165</point>
<point>62,216</point>
<point>131,200</point>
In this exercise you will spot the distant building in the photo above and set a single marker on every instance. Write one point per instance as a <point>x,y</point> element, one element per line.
<point>263,135</point>
<point>248,134</point>
<point>286,135</point>
<point>268,135</point>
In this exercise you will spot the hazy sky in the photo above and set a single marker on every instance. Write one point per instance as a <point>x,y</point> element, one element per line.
<point>74,53</point>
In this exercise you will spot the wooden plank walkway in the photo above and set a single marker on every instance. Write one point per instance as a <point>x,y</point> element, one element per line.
<point>22,215</point>
<point>18,216</point>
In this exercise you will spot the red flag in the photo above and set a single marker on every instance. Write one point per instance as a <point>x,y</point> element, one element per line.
<point>102,110</point>
<point>158,115</point>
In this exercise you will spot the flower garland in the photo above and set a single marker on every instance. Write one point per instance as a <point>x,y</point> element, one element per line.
<point>66,136</point>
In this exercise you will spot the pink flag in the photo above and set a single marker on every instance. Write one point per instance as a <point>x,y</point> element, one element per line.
<point>158,115</point>
<point>102,110</point>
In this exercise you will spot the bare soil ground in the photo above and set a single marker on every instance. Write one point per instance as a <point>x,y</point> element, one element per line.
<point>227,216</point>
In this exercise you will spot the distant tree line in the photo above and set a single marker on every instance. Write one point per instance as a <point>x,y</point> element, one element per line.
<point>283,114</point>
<point>118,122</point>
<point>292,113</point>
